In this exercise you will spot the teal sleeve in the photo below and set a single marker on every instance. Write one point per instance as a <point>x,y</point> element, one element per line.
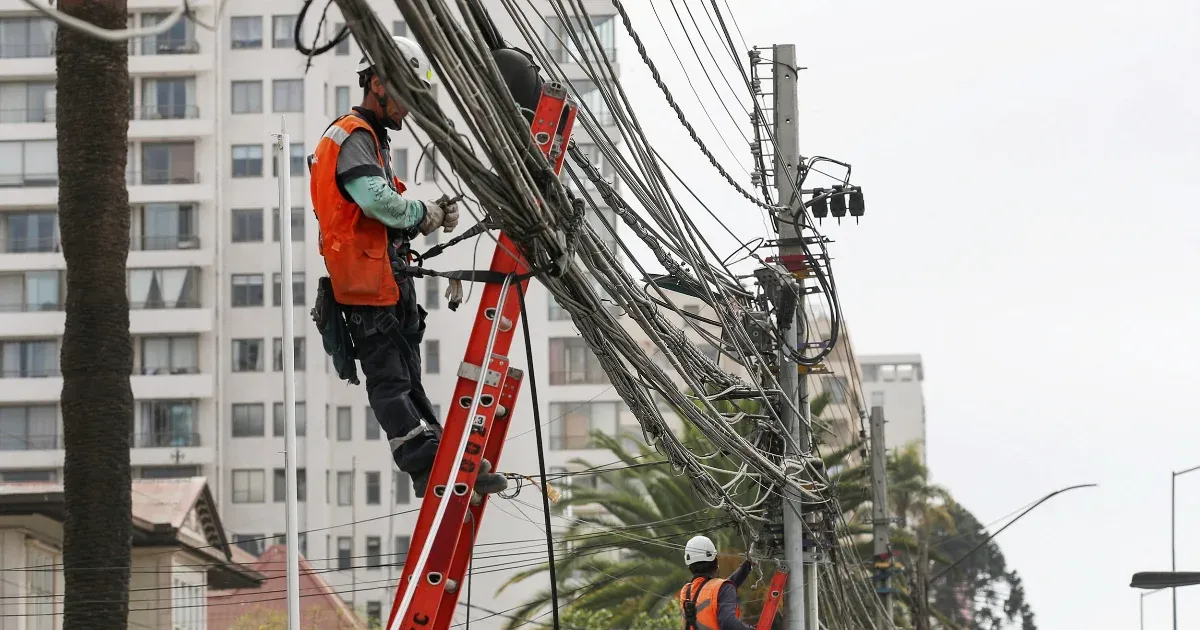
<point>380,202</point>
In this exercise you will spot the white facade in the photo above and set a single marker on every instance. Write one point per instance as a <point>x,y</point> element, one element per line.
<point>203,265</point>
<point>895,382</point>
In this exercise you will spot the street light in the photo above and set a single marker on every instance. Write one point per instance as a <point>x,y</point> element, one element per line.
<point>1174,603</point>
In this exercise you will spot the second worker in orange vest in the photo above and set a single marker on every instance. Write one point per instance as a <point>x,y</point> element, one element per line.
<point>366,229</point>
<point>709,602</point>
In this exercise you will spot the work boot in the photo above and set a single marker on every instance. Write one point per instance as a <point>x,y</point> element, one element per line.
<point>486,483</point>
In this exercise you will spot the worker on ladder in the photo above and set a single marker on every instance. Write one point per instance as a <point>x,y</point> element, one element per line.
<point>709,602</point>
<point>367,307</point>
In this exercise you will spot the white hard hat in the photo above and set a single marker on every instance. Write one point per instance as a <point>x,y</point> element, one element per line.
<point>412,53</point>
<point>699,549</point>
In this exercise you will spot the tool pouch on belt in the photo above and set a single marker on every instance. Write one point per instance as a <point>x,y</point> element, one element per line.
<point>335,334</point>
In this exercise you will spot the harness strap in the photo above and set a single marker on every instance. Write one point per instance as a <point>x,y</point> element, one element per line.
<point>689,605</point>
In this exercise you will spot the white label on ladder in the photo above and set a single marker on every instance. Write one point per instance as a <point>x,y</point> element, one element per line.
<point>471,371</point>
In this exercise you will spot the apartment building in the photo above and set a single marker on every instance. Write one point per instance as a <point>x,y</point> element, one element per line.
<point>205,288</point>
<point>896,383</point>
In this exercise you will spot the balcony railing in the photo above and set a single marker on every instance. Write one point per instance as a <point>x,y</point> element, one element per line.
<point>164,243</point>
<point>30,307</point>
<point>164,371</point>
<point>157,305</point>
<point>165,112</point>
<point>45,372</point>
<point>157,177</point>
<point>10,115</point>
<point>151,46</point>
<point>34,245</point>
<point>27,51</point>
<point>164,439</point>
<point>26,442</point>
<point>29,180</point>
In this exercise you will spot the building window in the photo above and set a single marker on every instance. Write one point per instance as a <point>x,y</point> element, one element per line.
<point>400,486</point>
<point>343,47</point>
<point>31,291</point>
<point>562,46</point>
<point>400,163</point>
<point>167,424</point>
<point>187,604</point>
<point>345,488</point>
<point>28,475</point>
<point>400,550</point>
<point>170,355</point>
<point>572,423</point>
<point>287,95</point>
<point>431,165</point>
<point>247,160</point>
<point>297,289</point>
<point>341,99</point>
<point>298,163</point>
<point>33,428</point>
<point>249,486</point>
<point>168,163</point>
<point>431,293</point>
<point>29,358</point>
<point>27,102</point>
<point>344,426</point>
<point>279,422</point>
<point>39,601</point>
<point>246,31</point>
<point>164,288</point>
<point>26,37</point>
<point>905,372</point>
<point>887,372</point>
<point>374,614</point>
<point>247,225</point>
<point>280,485</point>
<point>297,215</point>
<point>168,99</point>
<point>297,353</point>
<point>876,399</point>
<point>247,355</point>
<point>29,163</point>
<point>870,373</point>
<point>165,226</point>
<point>176,40</point>
<point>248,420</point>
<point>247,97</point>
<point>250,543</point>
<point>372,426</point>
<point>433,356</point>
<point>345,552</point>
<point>573,363</point>
<point>283,28</point>
<point>836,387</point>
<point>247,289</point>
<point>374,552</point>
<point>591,98</point>
<point>30,232</point>
<point>373,488</point>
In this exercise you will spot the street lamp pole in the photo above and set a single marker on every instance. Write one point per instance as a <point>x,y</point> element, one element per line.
<point>1174,603</point>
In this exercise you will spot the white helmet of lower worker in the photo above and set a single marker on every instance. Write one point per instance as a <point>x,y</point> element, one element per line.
<point>699,549</point>
<point>412,53</point>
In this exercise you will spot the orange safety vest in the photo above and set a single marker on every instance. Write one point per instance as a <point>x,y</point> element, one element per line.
<point>354,245</point>
<point>702,592</point>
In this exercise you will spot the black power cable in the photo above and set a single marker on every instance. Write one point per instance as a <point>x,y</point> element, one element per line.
<point>537,425</point>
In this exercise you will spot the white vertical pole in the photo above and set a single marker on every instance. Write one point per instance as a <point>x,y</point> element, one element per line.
<point>284,149</point>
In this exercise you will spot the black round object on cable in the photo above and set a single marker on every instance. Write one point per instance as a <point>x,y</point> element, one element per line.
<point>522,77</point>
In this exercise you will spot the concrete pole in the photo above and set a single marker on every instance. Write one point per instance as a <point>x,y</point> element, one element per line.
<point>801,600</point>
<point>289,375</point>
<point>879,508</point>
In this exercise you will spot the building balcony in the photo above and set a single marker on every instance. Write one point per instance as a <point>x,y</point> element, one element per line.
<point>164,439</point>
<point>168,121</point>
<point>166,186</point>
<point>15,442</point>
<point>168,56</point>
<point>18,389</point>
<point>164,243</point>
<point>190,319</point>
<point>193,385</point>
<point>26,60</point>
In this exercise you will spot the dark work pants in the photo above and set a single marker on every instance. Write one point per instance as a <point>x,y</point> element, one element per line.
<point>392,366</point>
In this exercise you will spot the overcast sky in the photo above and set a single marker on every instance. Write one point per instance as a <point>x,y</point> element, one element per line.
<point>1032,230</point>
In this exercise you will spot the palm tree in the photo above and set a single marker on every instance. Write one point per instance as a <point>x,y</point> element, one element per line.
<point>92,124</point>
<point>648,515</point>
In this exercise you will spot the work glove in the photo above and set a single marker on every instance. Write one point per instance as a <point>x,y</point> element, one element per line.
<point>442,213</point>
<point>454,293</point>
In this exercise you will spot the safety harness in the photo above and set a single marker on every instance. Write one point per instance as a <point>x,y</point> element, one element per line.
<point>689,605</point>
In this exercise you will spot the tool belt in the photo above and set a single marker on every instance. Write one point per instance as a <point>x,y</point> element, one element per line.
<point>330,318</point>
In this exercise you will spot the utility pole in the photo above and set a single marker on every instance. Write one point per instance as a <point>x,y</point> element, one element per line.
<point>801,599</point>
<point>879,518</point>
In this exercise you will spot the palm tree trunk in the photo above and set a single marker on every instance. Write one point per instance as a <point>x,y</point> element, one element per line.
<point>92,124</point>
